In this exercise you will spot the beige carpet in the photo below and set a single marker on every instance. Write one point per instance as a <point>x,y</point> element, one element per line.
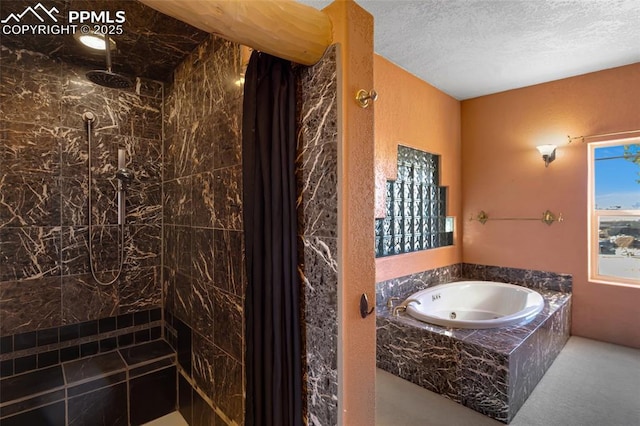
<point>590,384</point>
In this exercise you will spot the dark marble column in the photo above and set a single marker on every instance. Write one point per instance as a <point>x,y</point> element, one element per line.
<point>317,175</point>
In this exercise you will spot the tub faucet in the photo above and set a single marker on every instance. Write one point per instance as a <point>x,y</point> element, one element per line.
<point>390,302</point>
<point>403,306</point>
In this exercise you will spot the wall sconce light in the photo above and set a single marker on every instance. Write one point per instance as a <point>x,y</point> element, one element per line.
<point>548,153</point>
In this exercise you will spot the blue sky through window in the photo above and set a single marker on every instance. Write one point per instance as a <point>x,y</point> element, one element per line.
<point>616,180</point>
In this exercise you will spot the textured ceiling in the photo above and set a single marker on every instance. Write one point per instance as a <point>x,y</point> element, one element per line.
<point>466,48</point>
<point>470,48</point>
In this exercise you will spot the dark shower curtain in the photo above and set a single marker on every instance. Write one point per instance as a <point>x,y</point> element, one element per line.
<point>272,306</point>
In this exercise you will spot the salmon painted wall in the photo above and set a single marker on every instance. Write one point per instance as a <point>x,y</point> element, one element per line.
<point>413,113</point>
<point>353,31</point>
<point>504,175</point>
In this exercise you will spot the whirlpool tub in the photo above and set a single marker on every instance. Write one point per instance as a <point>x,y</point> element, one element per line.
<point>475,304</point>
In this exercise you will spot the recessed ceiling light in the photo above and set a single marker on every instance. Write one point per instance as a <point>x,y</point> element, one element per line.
<point>94,40</point>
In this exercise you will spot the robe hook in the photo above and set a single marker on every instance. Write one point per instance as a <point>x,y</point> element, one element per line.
<point>365,98</point>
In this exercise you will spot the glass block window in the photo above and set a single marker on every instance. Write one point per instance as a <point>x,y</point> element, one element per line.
<point>416,211</point>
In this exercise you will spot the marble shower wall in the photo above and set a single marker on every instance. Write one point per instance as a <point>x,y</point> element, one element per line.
<point>317,175</point>
<point>44,264</point>
<point>204,271</point>
<point>203,235</point>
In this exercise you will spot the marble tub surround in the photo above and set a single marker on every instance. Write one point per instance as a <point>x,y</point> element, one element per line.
<point>403,287</point>
<point>128,386</point>
<point>492,371</point>
<point>44,265</point>
<point>202,231</point>
<point>536,280</point>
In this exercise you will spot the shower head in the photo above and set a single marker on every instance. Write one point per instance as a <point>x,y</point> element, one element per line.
<point>109,79</point>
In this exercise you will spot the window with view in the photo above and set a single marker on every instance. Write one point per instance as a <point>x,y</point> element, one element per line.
<point>615,211</point>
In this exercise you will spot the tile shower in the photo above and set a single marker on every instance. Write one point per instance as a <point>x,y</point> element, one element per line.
<point>176,313</point>
<point>52,312</point>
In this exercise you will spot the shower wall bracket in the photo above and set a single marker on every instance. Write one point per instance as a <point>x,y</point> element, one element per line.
<point>548,217</point>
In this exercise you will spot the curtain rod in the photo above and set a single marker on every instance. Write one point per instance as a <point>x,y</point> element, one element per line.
<point>571,139</point>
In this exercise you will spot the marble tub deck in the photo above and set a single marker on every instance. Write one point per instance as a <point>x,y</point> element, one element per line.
<point>492,371</point>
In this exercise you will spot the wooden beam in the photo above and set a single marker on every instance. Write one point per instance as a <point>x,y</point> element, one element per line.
<point>283,28</point>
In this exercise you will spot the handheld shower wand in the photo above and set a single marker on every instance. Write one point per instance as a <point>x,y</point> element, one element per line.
<point>124,177</point>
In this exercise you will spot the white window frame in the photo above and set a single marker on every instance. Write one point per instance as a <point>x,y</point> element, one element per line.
<point>594,216</point>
